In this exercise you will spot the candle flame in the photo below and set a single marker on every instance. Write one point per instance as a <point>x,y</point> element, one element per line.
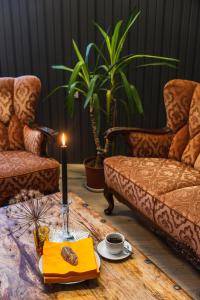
<point>63,139</point>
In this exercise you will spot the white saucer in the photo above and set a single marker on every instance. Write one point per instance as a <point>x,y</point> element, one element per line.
<point>102,250</point>
<point>74,282</point>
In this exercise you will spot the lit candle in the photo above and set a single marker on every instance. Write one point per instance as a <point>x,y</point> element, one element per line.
<point>64,169</point>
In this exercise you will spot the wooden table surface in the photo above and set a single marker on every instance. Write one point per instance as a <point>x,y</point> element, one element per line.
<point>130,279</point>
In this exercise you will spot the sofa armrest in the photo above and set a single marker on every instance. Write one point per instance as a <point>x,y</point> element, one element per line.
<point>144,142</point>
<point>115,131</point>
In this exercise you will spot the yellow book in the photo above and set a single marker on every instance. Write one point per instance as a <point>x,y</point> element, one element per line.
<point>56,269</point>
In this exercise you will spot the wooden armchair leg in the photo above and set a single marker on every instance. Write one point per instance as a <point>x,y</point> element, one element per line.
<point>109,197</point>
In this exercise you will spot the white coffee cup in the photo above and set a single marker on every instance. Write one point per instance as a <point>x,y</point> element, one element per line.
<point>115,242</point>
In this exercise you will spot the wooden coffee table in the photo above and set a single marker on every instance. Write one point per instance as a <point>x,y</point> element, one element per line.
<point>131,279</point>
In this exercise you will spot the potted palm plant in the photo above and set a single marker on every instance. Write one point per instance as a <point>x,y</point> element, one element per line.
<point>99,86</point>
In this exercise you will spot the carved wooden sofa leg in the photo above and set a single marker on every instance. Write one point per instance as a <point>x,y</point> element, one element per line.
<point>109,197</point>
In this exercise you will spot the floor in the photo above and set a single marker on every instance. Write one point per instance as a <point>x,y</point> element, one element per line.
<point>123,219</point>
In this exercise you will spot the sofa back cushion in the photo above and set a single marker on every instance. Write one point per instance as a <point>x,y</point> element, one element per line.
<point>194,114</point>
<point>178,96</point>
<point>182,100</point>
<point>179,142</point>
<point>191,151</point>
<point>18,101</point>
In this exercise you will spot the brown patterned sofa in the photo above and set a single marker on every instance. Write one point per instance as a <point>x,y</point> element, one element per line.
<point>161,179</point>
<point>22,165</point>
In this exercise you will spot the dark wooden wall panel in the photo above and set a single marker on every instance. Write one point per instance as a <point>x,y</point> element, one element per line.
<point>36,34</point>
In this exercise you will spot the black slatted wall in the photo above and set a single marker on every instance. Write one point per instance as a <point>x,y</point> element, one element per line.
<point>34,34</point>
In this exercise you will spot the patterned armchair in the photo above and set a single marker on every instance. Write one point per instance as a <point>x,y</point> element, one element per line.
<point>22,148</point>
<point>161,178</point>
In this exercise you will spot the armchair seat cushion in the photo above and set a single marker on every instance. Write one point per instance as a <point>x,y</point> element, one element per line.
<point>24,170</point>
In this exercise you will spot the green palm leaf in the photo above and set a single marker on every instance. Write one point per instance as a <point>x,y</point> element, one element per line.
<point>134,101</point>
<point>128,92</point>
<point>137,99</point>
<point>125,61</point>
<point>102,67</point>
<point>62,67</point>
<point>84,66</point>
<point>70,98</point>
<point>165,64</point>
<point>91,89</point>
<point>106,37</point>
<point>55,90</point>
<point>114,39</point>
<point>88,50</point>
<point>75,72</point>
<point>130,23</point>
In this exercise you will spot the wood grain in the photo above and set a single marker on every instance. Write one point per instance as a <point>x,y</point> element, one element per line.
<point>131,279</point>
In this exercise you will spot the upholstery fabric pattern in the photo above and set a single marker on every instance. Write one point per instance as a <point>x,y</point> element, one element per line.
<point>189,206</point>
<point>140,199</point>
<point>179,143</point>
<point>15,134</point>
<point>178,96</point>
<point>18,100</point>
<point>177,213</point>
<point>24,170</point>
<point>26,94</point>
<point>6,99</point>
<point>21,169</point>
<point>153,175</point>
<point>33,140</point>
<point>191,151</point>
<point>197,163</point>
<point>149,145</point>
<point>4,143</point>
<point>167,191</point>
<point>194,115</point>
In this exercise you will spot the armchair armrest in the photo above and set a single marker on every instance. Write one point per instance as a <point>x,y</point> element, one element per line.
<point>48,132</point>
<point>50,136</point>
<point>144,142</point>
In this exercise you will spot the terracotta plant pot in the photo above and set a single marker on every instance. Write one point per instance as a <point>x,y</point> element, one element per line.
<point>95,180</point>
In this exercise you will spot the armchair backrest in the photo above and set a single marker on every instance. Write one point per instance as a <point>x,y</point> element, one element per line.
<point>182,102</point>
<point>18,102</point>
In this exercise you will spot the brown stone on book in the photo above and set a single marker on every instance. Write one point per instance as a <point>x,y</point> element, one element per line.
<point>69,255</point>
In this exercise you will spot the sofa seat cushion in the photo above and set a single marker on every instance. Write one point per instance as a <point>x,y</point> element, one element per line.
<point>177,213</point>
<point>165,191</point>
<point>156,176</point>
<point>121,179</point>
<point>24,170</point>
